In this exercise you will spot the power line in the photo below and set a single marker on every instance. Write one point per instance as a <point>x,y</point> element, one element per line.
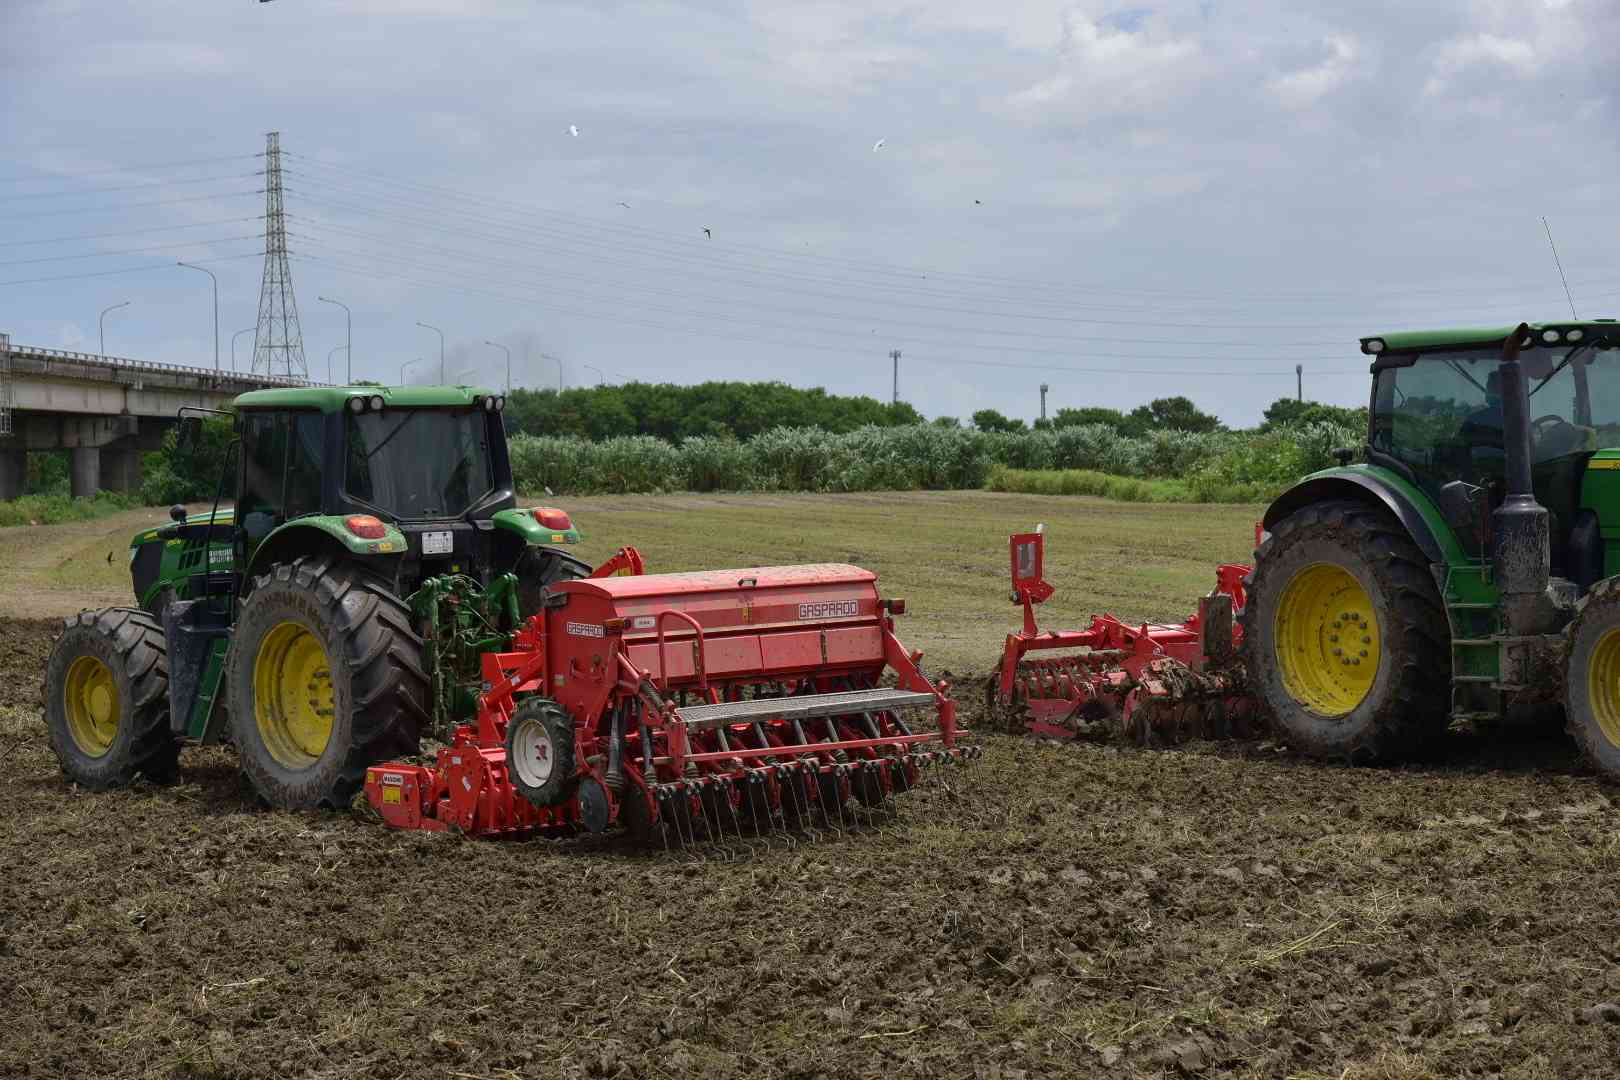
<point>131,251</point>
<point>129,206</point>
<point>126,232</point>
<point>123,187</point>
<point>78,175</point>
<point>164,265</point>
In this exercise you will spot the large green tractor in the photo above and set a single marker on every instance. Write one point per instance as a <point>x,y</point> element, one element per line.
<point>330,616</point>
<point>1471,567</point>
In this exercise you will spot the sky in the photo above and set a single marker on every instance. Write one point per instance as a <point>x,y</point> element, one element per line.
<point>1119,201</point>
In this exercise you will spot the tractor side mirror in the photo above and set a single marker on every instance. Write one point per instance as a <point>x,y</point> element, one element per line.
<point>190,434</point>
<point>177,512</point>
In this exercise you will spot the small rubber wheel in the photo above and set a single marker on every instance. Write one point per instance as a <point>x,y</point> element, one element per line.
<point>107,700</point>
<point>540,752</point>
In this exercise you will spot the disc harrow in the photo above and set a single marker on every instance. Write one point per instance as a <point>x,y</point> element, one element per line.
<point>688,707</point>
<point>1153,684</point>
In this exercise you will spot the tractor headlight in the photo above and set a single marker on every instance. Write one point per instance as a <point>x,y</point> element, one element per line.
<point>375,403</point>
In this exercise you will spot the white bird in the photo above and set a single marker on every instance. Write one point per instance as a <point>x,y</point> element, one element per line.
<point>877,145</point>
<point>573,129</point>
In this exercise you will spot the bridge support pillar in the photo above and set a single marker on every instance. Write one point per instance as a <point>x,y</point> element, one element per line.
<point>13,473</point>
<point>121,468</point>
<point>86,474</point>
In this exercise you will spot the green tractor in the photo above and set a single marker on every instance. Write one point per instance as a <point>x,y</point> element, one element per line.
<point>1470,568</point>
<point>332,615</point>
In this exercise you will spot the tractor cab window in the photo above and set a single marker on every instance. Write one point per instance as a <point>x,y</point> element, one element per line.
<point>281,469</point>
<point>1442,417</point>
<point>418,463</point>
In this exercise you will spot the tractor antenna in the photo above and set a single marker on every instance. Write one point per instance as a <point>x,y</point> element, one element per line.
<point>278,343</point>
<point>1560,266</point>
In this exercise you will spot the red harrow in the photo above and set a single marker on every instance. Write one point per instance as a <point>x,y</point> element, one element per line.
<point>683,706</point>
<point>1152,684</point>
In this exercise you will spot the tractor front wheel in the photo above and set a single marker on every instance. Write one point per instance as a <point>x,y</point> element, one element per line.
<point>1592,679</point>
<point>1345,635</point>
<point>326,678</point>
<point>107,699</point>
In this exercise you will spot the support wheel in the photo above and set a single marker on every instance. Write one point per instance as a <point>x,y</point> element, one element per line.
<point>1346,637</point>
<point>328,673</point>
<point>540,752</point>
<point>1592,679</point>
<point>107,700</point>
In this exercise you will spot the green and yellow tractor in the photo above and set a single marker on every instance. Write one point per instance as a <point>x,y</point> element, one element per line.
<point>331,615</point>
<point>1470,568</point>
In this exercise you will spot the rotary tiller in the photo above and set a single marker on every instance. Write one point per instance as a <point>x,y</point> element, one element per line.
<point>1151,684</point>
<point>682,706</point>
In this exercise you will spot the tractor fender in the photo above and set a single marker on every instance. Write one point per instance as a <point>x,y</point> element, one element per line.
<point>308,535</point>
<point>531,532</point>
<point>1371,484</point>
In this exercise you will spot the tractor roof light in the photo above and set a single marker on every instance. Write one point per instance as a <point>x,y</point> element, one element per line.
<point>1373,346</point>
<point>366,527</point>
<point>375,403</point>
<point>1550,336</point>
<point>357,404</point>
<point>500,403</point>
<point>551,518</point>
<point>489,403</point>
<point>1574,334</point>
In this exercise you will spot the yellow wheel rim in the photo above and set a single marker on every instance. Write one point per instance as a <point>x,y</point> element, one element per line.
<point>292,695</point>
<point>1603,685</point>
<point>1326,638</point>
<point>90,699</point>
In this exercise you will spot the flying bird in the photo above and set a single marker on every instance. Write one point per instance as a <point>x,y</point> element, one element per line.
<point>573,129</point>
<point>976,202</point>
<point>878,145</point>
<point>625,205</point>
<point>707,233</point>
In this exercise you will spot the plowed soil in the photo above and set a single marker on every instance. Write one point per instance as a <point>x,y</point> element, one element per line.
<point>1052,910</point>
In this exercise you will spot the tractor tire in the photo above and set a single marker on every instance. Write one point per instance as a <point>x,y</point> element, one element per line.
<point>1345,635</point>
<point>107,700</point>
<point>540,568</point>
<point>325,678</point>
<point>1592,677</point>
<point>540,758</point>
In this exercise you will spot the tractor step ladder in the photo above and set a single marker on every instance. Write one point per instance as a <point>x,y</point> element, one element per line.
<point>704,717</point>
<point>1475,652</point>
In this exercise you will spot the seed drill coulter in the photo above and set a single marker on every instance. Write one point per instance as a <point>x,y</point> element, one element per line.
<point>1467,570</point>
<point>375,582</point>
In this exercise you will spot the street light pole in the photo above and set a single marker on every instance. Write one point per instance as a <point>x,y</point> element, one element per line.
<point>436,330</point>
<point>599,378</point>
<point>239,333</point>
<point>548,356</point>
<point>508,353</point>
<point>215,280</point>
<point>103,321</point>
<point>329,356</point>
<point>404,366</point>
<point>348,338</point>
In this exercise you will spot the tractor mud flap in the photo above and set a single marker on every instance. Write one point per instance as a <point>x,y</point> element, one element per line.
<point>196,636</point>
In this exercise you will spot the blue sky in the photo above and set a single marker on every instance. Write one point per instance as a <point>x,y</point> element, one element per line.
<point>1121,201</point>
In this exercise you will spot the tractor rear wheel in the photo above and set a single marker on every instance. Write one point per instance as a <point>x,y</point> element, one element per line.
<point>107,699</point>
<point>1345,635</point>
<point>1592,678</point>
<point>326,679</point>
<point>540,568</point>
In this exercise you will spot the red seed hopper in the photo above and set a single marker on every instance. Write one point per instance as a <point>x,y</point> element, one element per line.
<point>684,705</point>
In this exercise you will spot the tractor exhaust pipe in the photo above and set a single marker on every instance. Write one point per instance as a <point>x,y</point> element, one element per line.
<point>1521,546</point>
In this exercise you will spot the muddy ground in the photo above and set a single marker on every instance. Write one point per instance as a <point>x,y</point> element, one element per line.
<point>1054,910</point>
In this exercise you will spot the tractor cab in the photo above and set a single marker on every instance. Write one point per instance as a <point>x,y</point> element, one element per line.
<point>1437,417</point>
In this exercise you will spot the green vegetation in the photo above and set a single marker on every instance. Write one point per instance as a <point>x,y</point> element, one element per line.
<point>180,474</point>
<point>739,410</point>
<point>56,509</point>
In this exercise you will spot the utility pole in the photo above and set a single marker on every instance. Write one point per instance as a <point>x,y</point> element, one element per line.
<point>1043,402</point>
<point>894,354</point>
<point>1299,382</point>
<point>280,339</point>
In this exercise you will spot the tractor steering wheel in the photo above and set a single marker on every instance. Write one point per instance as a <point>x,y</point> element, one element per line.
<point>1549,420</point>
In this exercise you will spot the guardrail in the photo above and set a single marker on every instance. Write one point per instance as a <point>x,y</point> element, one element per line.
<point>119,363</point>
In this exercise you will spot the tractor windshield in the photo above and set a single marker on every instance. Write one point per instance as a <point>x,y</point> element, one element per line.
<point>418,463</point>
<point>1442,414</point>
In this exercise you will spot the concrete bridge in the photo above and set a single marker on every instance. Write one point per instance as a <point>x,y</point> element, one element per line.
<point>109,411</point>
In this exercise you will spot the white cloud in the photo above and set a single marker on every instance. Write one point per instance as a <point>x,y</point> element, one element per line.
<point>1107,68</point>
<point>1305,87</point>
<point>1463,54</point>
